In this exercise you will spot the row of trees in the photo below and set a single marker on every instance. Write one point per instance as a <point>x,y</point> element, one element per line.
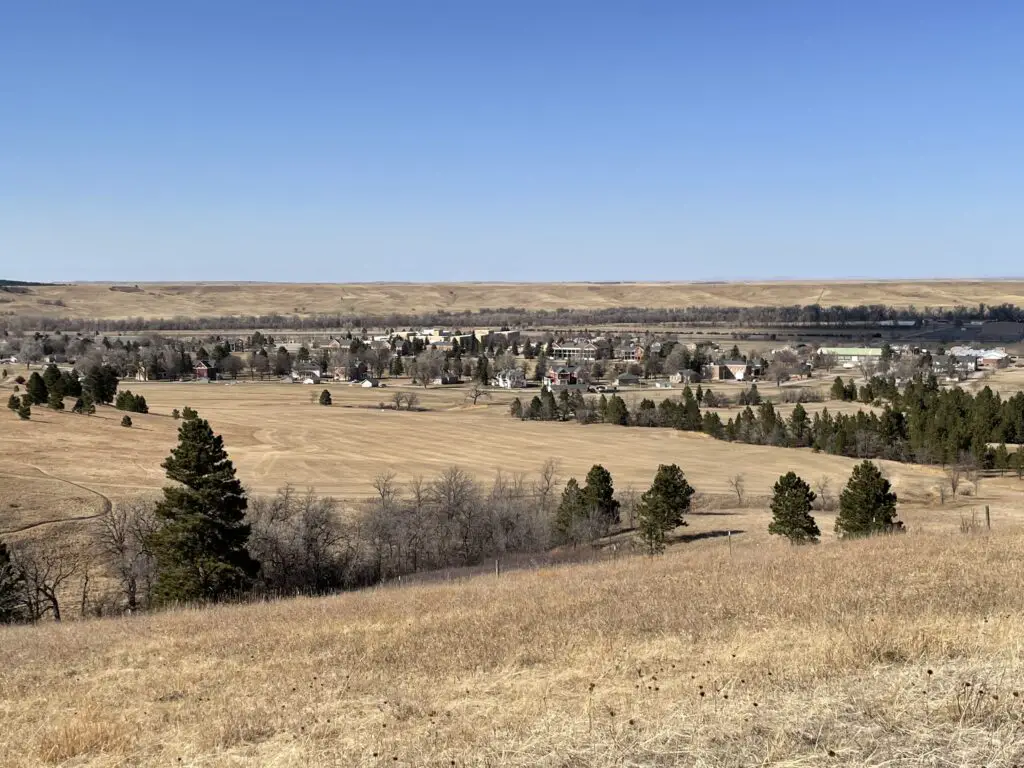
<point>922,423</point>
<point>812,314</point>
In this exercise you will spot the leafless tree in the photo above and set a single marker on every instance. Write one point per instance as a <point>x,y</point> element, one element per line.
<point>429,365</point>
<point>954,474</point>
<point>398,398</point>
<point>411,400</point>
<point>476,392</point>
<point>48,568</point>
<point>629,501</point>
<point>546,486</point>
<point>736,483</point>
<point>823,490</point>
<point>122,536</point>
<point>301,543</point>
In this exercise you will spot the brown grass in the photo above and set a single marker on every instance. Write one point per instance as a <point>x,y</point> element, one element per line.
<point>894,651</point>
<point>276,436</point>
<point>154,300</point>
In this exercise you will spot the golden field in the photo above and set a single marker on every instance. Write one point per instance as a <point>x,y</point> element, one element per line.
<point>894,651</point>
<point>62,466</point>
<point>161,300</point>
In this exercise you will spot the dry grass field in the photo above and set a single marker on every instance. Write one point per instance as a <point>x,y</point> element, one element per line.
<point>895,651</point>
<point>156,300</point>
<point>276,436</point>
<point>66,467</point>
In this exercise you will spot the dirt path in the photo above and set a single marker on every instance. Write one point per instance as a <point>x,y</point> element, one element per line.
<point>104,500</point>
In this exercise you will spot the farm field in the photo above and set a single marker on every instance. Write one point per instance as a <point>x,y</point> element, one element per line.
<point>164,300</point>
<point>898,650</point>
<point>61,466</point>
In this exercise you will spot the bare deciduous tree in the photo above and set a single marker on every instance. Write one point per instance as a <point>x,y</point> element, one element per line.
<point>411,401</point>
<point>736,483</point>
<point>122,537</point>
<point>476,392</point>
<point>301,543</point>
<point>398,398</point>
<point>48,569</point>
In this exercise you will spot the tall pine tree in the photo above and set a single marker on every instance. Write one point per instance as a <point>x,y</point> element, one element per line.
<point>662,507</point>
<point>36,389</point>
<point>599,496</point>
<point>791,510</point>
<point>200,544</point>
<point>867,505</point>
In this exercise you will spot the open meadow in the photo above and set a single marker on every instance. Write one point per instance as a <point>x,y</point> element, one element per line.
<point>165,300</point>
<point>898,650</point>
<point>63,466</point>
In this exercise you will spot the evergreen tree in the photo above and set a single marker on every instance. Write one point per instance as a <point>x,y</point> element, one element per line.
<point>79,406</point>
<point>325,398</point>
<point>483,370</point>
<point>14,402</point>
<point>662,507</point>
<point>570,510</point>
<point>101,384</point>
<point>126,420</point>
<point>200,545</point>
<point>11,583</point>
<point>25,409</point>
<point>599,496</point>
<point>70,384</point>
<point>867,504</point>
<point>175,414</point>
<point>55,399</point>
<point>791,510</point>
<point>51,377</point>
<point>516,409</point>
<point>617,412</point>
<point>36,389</point>
<point>838,391</point>
<point>799,426</point>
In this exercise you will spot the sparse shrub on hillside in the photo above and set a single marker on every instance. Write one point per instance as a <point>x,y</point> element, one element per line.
<point>200,542</point>
<point>325,398</point>
<point>19,380</point>
<point>867,505</point>
<point>126,420</point>
<point>791,510</point>
<point>14,402</point>
<point>25,409</point>
<point>175,414</point>
<point>662,507</point>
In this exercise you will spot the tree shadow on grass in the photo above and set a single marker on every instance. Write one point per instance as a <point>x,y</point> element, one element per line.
<point>686,538</point>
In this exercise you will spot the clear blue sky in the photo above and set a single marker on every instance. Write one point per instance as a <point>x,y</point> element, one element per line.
<point>511,140</point>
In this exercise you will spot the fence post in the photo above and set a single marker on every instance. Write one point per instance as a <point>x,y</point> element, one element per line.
<point>497,567</point>
<point>988,518</point>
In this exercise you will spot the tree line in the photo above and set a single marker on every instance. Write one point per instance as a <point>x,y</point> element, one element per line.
<point>921,422</point>
<point>812,314</point>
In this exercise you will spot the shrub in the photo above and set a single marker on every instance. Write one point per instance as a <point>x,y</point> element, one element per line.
<point>126,420</point>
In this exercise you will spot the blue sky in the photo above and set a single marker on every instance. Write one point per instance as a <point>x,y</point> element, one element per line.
<point>516,140</point>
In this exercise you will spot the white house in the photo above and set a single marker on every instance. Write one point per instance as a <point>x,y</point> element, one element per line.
<point>513,378</point>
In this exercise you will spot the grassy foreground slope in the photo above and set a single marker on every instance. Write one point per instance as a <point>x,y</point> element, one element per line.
<point>161,300</point>
<point>902,650</point>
